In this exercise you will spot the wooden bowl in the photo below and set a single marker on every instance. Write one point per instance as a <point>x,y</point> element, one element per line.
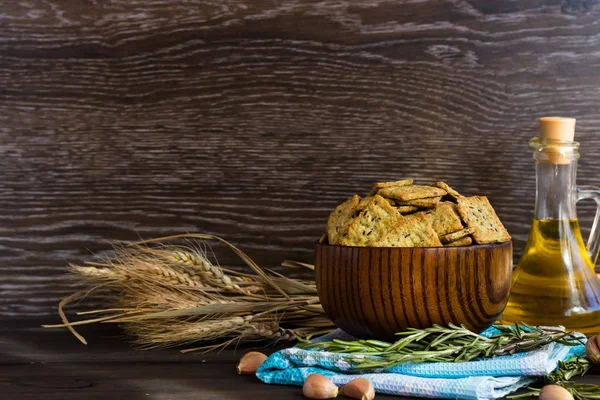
<point>374,292</point>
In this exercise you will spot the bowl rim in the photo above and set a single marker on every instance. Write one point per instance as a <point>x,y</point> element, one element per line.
<point>471,246</point>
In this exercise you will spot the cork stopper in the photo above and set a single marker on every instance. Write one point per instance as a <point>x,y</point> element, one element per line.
<point>557,128</point>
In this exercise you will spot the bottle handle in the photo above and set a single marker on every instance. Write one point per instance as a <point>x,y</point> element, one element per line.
<point>593,243</point>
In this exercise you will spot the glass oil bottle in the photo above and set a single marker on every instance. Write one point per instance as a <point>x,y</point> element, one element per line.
<point>554,283</point>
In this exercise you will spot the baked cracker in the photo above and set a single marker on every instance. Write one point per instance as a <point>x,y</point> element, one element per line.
<point>365,200</point>
<point>341,217</point>
<point>451,192</point>
<point>407,209</point>
<point>460,242</point>
<point>414,231</point>
<point>445,219</point>
<point>451,237</point>
<point>381,185</point>
<point>479,215</point>
<point>428,202</point>
<point>323,238</point>
<point>405,193</point>
<point>377,218</point>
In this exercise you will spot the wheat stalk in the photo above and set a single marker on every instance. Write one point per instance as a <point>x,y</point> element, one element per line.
<point>199,267</point>
<point>152,271</point>
<point>183,332</point>
<point>168,294</point>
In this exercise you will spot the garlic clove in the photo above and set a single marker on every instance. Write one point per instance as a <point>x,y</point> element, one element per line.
<point>319,387</point>
<point>359,388</point>
<point>555,392</point>
<point>250,362</point>
<point>592,349</point>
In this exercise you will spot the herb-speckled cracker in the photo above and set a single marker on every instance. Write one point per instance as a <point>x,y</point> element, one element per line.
<point>453,193</point>
<point>405,193</point>
<point>340,218</point>
<point>460,242</point>
<point>375,220</point>
<point>445,219</point>
<point>428,202</point>
<point>414,231</point>
<point>365,200</point>
<point>451,237</point>
<point>381,185</point>
<point>479,215</point>
<point>407,209</point>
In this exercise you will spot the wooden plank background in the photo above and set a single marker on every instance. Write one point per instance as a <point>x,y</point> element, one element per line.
<point>253,119</point>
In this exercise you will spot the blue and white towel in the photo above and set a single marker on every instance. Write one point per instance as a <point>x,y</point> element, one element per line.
<point>484,379</point>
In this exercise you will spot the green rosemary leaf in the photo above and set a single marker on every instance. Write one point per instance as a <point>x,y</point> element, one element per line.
<point>518,332</point>
<point>378,343</point>
<point>340,341</point>
<point>504,329</point>
<point>443,338</point>
<point>533,392</point>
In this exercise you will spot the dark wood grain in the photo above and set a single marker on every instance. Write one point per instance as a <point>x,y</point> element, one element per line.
<point>253,119</point>
<point>37,364</point>
<point>375,292</point>
<point>53,365</point>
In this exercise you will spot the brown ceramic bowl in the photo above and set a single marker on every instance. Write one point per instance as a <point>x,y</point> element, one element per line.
<point>374,292</point>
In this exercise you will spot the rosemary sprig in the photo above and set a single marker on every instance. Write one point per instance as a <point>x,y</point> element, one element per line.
<point>574,366</point>
<point>444,344</point>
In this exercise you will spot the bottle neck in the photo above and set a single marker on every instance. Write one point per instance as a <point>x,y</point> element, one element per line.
<point>555,190</point>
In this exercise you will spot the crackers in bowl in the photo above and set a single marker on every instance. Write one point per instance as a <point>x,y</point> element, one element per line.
<point>401,214</point>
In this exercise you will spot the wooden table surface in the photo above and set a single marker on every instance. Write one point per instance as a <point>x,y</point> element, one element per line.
<point>51,364</point>
<point>36,362</point>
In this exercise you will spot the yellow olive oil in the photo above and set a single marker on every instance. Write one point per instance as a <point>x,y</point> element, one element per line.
<point>555,283</point>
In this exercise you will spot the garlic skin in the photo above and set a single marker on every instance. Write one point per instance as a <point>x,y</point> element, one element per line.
<point>555,392</point>
<point>319,387</point>
<point>250,362</point>
<point>359,388</point>
<point>592,349</point>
